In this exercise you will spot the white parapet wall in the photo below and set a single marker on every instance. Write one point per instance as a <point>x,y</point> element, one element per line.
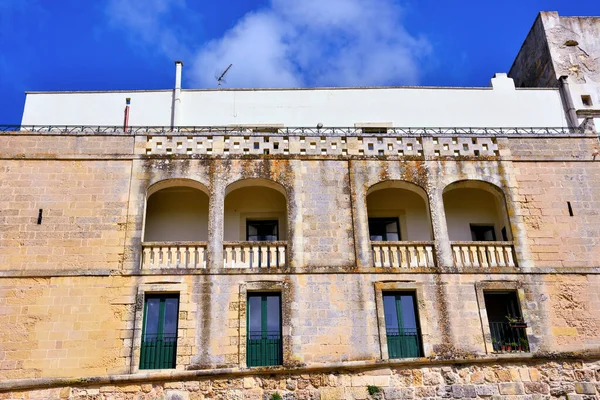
<point>500,105</point>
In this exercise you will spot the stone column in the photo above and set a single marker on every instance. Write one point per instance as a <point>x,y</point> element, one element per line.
<point>216,215</point>
<point>360,218</point>
<point>437,214</point>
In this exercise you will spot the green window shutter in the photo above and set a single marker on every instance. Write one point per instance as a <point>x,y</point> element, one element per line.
<point>402,325</point>
<point>263,337</point>
<point>159,332</point>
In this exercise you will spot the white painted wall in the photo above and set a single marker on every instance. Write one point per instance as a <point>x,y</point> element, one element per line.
<point>177,214</point>
<point>253,203</point>
<point>500,106</point>
<point>408,206</point>
<point>466,206</point>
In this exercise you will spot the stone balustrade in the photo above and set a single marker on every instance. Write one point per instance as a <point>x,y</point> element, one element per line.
<point>483,254</point>
<point>165,255</point>
<point>403,254</point>
<point>254,254</point>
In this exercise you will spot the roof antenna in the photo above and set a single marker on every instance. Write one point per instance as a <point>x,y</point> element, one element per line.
<point>221,78</point>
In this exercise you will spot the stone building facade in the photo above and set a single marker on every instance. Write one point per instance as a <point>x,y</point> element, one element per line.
<point>251,244</point>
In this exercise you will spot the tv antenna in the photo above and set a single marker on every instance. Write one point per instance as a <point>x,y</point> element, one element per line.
<point>221,78</point>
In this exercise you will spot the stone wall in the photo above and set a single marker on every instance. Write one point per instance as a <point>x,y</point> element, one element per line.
<point>91,326</point>
<point>517,380</point>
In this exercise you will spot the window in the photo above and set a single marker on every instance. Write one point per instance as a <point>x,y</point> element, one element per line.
<point>264,345</point>
<point>483,233</point>
<point>384,229</point>
<point>159,331</point>
<point>259,231</point>
<point>401,325</point>
<point>586,99</point>
<point>506,321</point>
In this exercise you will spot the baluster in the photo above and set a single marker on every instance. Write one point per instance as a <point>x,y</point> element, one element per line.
<point>430,262</point>
<point>173,257</point>
<point>201,257</point>
<point>457,256</point>
<point>482,256</point>
<point>238,257</point>
<point>164,257</point>
<point>281,256</point>
<point>404,256</point>
<point>413,256</point>
<point>246,260</point>
<point>228,253</point>
<point>500,256</point>
<point>474,257</point>
<point>466,259</point>
<point>155,257</point>
<point>193,259</point>
<point>264,263</point>
<point>376,256</point>
<point>509,256</point>
<point>491,250</point>
<point>255,257</point>
<point>146,258</point>
<point>273,256</point>
<point>183,256</point>
<point>394,262</point>
<point>385,256</point>
<point>422,260</point>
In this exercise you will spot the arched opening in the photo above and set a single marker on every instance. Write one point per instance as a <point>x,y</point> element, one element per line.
<point>476,212</point>
<point>176,225</point>
<point>399,225</point>
<point>255,224</point>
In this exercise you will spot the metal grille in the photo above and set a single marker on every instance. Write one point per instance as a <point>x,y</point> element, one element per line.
<point>264,348</point>
<point>158,351</point>
<point>507,337</point>
<point>403,343</point>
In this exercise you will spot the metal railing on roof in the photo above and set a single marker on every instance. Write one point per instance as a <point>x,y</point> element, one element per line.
<point>293,131</point>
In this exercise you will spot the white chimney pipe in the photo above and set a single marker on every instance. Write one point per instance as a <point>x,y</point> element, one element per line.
<point>176,95</point>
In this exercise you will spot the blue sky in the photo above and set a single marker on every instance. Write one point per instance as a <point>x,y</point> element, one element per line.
<point>131,44</point>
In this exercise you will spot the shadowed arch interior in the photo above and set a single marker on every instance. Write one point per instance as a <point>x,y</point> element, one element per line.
<point>176,211</point>
<point>476,210</point>
<point>399,201</point>
<point>254,202</point>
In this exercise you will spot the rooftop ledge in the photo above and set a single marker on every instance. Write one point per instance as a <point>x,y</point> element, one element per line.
<point>245,130</point>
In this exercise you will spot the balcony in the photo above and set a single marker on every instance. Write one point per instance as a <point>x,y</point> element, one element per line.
<point>264,254</point>
<point>483,254</point>
<point>169,255</point>
<point>403,254</point>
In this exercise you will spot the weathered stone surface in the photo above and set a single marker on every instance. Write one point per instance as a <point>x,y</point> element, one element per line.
<point>511,388</point>
<point>585,388</point>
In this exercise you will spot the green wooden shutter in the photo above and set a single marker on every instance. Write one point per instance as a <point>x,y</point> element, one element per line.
<point>159,349</point>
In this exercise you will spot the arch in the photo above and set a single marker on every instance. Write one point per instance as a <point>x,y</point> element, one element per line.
<point>183,182</point>
<point>176,211</point>
<point>254,201</point>
<point>474,207</point>
<point>402,202</point>
<point>248,182</point>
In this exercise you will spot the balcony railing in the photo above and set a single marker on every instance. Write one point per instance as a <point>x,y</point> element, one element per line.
<point>264,348</point>
<point>255,254</point>
<point>158,351</point>
<point>164,255</point>
<point>483,254</point>
<point>403,343</point>
<point>403,254</point>
<point>507,337</point>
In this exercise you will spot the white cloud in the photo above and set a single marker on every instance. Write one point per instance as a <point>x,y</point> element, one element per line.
<point>290,43</point>
<point>316,43</point>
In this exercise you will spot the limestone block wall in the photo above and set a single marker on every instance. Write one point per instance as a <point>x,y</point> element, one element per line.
<point>83,207</point>
<point>91,326</point>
